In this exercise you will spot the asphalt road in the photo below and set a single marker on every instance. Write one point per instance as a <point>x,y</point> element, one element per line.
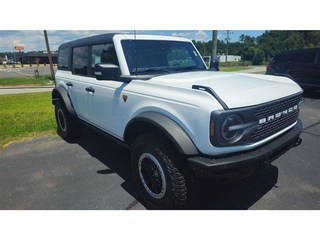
<point>19,71</point>
<point>93,173</point>
<point>27,89</point>
<point>25,71</point>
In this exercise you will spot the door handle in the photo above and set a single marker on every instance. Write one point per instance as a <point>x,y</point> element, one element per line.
<point>90,89</point>
<point>70,84</point>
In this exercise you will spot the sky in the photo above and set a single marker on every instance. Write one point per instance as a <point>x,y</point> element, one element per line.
<point>33,40</point>
<point>23,24</point>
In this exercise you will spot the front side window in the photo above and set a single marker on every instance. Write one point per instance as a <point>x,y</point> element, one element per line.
<point>103,53</point>
<point>153,55</point>
<point>80,60</point>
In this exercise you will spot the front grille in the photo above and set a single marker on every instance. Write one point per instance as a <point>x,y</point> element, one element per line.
<point>272,126</point>
<point>278,106</point>
<point>255,115</point>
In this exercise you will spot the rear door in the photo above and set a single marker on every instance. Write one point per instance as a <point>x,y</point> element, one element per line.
<point>99,101</point>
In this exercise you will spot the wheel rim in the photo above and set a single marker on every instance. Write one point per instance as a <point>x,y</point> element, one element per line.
<point>152,175</point>
<point>61,120</point>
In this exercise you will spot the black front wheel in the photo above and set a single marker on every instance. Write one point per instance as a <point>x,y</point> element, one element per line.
<point>161,174</point>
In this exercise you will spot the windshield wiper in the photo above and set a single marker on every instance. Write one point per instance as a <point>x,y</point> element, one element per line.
<point>190,68</point>
<point>151,70</point>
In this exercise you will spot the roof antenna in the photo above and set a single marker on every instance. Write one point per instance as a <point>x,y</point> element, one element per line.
<point>135,52</point>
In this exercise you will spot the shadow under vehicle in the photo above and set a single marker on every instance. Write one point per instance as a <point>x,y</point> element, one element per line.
<point>214,195</point>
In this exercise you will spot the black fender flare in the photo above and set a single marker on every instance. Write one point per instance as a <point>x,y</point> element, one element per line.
<point>61,93</point>
<point>167,126</point>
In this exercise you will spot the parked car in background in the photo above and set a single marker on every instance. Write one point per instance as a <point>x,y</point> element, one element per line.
<point>302,66</point>
<point>10,62</point>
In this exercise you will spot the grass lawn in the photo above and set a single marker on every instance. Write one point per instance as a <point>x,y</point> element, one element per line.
<point>24,116</point>
<point>262,72</point>
<point>27,81</point>
<point>233,69</point>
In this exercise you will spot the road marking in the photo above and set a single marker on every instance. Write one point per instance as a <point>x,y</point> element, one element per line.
<point>17,71</point>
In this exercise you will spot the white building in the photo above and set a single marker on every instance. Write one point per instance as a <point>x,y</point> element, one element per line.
<point>230,58</point>
<point>222,58</point>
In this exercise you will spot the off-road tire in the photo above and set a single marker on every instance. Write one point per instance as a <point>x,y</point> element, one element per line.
<point>68,127</point>
<point>162,175</point>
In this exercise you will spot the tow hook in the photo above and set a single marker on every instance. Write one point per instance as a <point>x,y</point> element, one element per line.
<point>298,142</point>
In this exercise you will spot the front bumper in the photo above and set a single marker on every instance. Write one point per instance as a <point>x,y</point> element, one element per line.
<point>245,163</point>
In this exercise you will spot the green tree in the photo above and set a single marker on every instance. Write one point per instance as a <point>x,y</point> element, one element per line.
<point>274,42</point>
<point>258,57</point>
<point>247,53</point>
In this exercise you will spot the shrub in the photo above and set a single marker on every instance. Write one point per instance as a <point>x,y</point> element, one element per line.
<point>245,63</point>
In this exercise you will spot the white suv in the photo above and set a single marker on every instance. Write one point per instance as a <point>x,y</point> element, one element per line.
<point>182,121</point>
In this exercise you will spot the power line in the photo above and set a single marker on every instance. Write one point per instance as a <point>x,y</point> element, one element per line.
<point>227,41</point>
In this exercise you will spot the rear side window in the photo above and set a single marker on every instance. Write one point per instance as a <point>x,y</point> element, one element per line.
<point>306,57</point>
<point>80,60</point>
<point>318,58</point>
<point>281,58</point>
<point>63,59</point>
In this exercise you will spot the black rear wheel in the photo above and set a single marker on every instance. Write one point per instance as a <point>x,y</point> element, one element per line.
<point>68,126</point>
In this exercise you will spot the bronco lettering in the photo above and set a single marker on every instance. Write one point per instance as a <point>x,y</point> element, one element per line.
<point>277,115</point>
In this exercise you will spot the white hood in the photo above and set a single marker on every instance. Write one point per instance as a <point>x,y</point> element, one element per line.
<point>235,89</point>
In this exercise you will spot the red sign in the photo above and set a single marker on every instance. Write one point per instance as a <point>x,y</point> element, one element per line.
<point>19,47</point>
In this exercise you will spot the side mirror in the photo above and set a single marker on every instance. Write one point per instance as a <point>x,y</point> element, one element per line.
<point>107,71</point>
<point>214,64</point>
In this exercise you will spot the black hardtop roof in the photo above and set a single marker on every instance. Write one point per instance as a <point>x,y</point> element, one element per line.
<point>92,40</point>
<point>300,50</point>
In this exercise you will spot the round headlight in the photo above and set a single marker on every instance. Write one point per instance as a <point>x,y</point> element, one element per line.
<point>228,133</point>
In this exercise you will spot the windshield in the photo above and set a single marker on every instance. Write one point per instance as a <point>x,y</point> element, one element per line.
<point>161,56</point>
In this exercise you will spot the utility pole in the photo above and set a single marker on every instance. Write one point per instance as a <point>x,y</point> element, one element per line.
<point>214,61</point>
<point>14,54</point>
<point>214,43</point>
<point>227,40</point>
<point>49,54</point>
